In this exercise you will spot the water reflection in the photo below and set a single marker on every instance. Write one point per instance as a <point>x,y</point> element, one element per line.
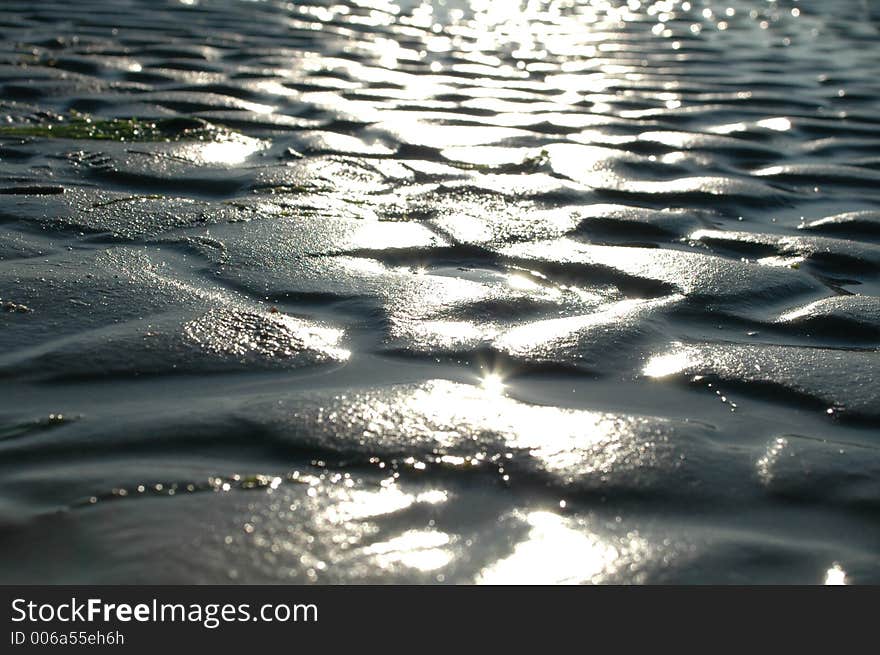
<point>227,152</point>
<point>835,575</point>
<point>661,366</point>
<point>360,504</point>
<point>555,553</point>
<point>427,174</point>
<point>473,423</point>
<point>493,383</point>
<point>424,550</point>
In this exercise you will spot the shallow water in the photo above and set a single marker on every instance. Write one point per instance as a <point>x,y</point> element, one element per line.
<point>439,292</point>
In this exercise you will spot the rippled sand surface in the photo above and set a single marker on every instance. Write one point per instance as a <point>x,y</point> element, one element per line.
<point>454,292</point>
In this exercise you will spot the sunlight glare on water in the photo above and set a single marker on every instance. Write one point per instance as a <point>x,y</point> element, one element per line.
<point>546,291</point>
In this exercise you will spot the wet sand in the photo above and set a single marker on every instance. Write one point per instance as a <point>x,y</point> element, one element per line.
<point>439,293</point>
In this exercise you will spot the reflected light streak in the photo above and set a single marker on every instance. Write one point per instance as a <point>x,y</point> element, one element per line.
<point>835,575</point>
<point>225,152</point>
<point>418,549</point>
<point>379,235</point>
<point>766,463</point>
<point>390,499</point>
<point>525,338</point>
<point>780,124</point>
<point>493,383</point>
<point>448,334</point>
<point>565,441</point>
<point>366,504</point>
<point>554,553</point>
<point>782,261</point>
<point>661,366</point>
<point>522,283</point>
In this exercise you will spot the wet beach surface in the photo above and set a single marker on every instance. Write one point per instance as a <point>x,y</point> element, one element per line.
<point>439,292</point>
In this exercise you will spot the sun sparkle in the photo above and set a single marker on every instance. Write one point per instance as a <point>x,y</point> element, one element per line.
<point>493,383</point>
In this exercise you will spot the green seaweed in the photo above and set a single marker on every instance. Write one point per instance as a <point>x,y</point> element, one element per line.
<point>80,126</point>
